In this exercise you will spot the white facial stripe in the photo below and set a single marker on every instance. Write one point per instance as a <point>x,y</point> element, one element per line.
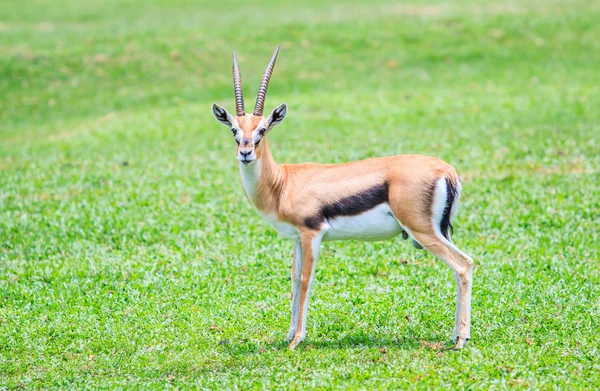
<point>238,131</point>
<point>238,135</point>
<point>255,137</point>
<point>256,134</point>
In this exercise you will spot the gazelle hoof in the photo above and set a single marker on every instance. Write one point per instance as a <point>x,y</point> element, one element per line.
<point>295,342</point>
<point>460,343</point>
<point>290,336</point>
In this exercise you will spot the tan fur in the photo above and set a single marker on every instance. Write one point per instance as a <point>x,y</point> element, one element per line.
<point>247,123</point>
<point>293,192</point>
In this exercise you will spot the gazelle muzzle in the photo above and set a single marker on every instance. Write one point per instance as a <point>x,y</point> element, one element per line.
<point>246,152</point>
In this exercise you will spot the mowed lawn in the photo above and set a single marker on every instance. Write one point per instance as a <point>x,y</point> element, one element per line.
<point>130,258</point>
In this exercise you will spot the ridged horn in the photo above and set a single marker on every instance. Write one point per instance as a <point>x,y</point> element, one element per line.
<point>262,91</point>
<point>237,87</point>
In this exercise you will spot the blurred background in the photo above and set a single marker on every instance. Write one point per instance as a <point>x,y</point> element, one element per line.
<point>129,255</point>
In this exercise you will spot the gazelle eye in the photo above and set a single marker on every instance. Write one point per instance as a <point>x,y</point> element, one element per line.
<point>233,131</point>
<point>262,131</point>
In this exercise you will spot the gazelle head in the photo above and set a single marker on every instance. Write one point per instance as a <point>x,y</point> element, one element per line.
<point>249,129</point>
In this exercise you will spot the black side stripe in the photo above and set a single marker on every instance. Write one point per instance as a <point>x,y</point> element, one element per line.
<point>350,206</point>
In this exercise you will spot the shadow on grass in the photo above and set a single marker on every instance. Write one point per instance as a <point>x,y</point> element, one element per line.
<point>358,341</point>
<point>365,341</point>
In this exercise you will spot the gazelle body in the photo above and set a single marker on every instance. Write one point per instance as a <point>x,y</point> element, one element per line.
<point>374,199</point>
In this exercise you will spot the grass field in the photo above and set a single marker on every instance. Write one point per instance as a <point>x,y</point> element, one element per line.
<point>129,257</point>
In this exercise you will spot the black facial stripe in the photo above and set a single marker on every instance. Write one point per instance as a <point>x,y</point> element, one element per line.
<point>234,131</point>
<point>350,206</point>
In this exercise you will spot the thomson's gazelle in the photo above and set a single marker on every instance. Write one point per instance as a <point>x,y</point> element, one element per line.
<point>372,199</point>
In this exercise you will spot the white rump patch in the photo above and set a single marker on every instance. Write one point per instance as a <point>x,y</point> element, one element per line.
<point>440,196</point>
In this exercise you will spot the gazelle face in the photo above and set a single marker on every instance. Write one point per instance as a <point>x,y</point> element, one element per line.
<point>249,130</point>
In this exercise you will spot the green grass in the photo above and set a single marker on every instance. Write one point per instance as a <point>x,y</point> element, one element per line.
<point>129,257</point>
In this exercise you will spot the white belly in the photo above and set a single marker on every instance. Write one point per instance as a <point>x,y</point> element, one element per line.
<point>378,223</point>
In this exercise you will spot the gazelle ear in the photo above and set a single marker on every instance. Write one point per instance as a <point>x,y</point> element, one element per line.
<point>222,115</point>
<point>277,115</point>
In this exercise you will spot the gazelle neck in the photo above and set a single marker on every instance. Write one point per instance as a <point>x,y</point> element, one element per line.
<point>262,180</point>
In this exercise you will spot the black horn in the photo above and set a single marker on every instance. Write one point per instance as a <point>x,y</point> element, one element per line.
<point>262,91</point>
<point>237,87</point>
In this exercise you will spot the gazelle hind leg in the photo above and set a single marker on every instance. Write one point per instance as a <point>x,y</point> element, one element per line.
<point>462,267</point>
<point>464,290</point>
<point>457,316</point>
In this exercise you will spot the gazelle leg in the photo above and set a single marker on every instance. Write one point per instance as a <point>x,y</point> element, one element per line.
<point>458,296</point>
<point>296,279</point>
<point>311,244</point>
<point>462,267</point>
<point>457,316</point>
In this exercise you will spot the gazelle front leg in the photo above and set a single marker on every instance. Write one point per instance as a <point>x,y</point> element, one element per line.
<point>311,245</point>
<point>296,280</point>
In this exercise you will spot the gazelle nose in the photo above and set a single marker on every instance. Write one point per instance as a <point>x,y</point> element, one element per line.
<point>245,154</point>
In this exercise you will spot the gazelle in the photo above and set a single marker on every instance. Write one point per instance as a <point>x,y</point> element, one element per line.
<point>373,199</point>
